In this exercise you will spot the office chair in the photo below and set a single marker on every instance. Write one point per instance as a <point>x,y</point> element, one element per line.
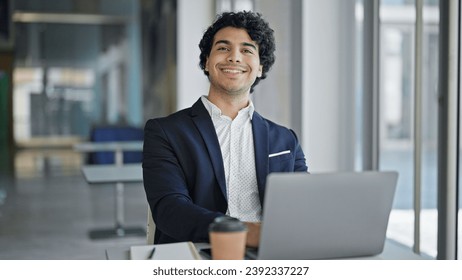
<point>150,228</point>
<point>111,133</point>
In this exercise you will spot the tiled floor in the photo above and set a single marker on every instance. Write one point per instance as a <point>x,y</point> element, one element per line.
<point>46,213</point>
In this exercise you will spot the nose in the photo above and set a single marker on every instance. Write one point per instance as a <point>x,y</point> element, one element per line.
<point>234,56</point>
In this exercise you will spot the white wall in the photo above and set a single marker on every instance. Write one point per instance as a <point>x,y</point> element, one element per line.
<point>328,84</point>
<point>193,18</point>
<point>272,96</point>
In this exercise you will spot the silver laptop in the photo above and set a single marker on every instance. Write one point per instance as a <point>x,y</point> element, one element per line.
<point>326,216</point>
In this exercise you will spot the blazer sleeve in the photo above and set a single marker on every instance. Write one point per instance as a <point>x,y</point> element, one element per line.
<point>300,161</point>
<point>172,207</point>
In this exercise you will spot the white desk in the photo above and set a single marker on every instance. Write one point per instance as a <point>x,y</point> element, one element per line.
<point>392,251</point>
<point>106,174</point>
<point>117,147</point>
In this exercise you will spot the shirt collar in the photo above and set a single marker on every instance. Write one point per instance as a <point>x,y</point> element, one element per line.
<point>214,111</point>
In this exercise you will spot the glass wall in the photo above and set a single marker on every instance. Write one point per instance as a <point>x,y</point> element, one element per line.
<point>62,106</point>
<point>397,120</point>
<point>77,65</point>
<point>74,68</point>
<point>459,201</point>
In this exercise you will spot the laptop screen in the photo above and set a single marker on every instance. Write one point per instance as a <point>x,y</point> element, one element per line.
<point>326,215</point>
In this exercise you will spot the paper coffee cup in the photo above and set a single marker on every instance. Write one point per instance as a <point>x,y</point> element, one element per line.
<point>227,238</point>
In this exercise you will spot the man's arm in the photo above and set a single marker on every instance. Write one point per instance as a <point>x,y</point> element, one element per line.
<point>300,161</point>
<point>173,209</point>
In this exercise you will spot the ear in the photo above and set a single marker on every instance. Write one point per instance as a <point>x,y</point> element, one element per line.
<point>206,69</point>
<point>260,71</point>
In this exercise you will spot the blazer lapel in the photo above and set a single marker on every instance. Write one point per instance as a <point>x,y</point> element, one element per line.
<point>204,124</point>
<point>261,145</point>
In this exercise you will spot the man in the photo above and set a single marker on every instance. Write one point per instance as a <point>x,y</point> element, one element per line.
<point>213,159</point>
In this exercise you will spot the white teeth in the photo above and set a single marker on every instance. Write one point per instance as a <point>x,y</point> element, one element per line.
<point>232,71</point>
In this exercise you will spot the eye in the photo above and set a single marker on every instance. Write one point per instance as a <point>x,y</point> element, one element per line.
<point>249,51</point>
<point>223,49</point>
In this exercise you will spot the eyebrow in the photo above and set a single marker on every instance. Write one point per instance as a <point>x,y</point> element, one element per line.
<point>226,42</point>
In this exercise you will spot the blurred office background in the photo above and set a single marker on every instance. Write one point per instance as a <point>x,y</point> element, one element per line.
<point>366,84</point>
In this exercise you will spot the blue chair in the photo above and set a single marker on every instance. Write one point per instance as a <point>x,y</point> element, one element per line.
<point>115,133</point>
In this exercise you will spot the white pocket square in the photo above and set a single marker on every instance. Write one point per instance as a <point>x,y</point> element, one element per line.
<point>280,153</point>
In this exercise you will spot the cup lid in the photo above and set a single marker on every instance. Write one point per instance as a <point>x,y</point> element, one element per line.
<point>227,224</point>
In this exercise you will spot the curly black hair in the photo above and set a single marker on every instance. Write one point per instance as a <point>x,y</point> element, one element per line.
<point>258,29</point>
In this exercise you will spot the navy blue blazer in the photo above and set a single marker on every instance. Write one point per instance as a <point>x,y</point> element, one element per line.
<point>183,171</point>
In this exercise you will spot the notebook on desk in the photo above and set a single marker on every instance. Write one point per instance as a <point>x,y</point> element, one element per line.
<point>325,216</point>
<point>170,251</point>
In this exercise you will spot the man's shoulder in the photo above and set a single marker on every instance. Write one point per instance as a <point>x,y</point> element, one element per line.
<point>275,130</point>
<point>181,115</point>
<point>168,123</point>
<point>269,123</point>
<point>180,120</point>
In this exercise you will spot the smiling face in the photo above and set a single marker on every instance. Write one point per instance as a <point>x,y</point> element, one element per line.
<point>233,63</point>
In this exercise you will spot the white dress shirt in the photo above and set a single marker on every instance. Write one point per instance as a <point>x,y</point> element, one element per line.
<point>236,143</point>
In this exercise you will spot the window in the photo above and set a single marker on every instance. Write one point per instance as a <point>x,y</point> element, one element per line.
<point>397,118</point>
